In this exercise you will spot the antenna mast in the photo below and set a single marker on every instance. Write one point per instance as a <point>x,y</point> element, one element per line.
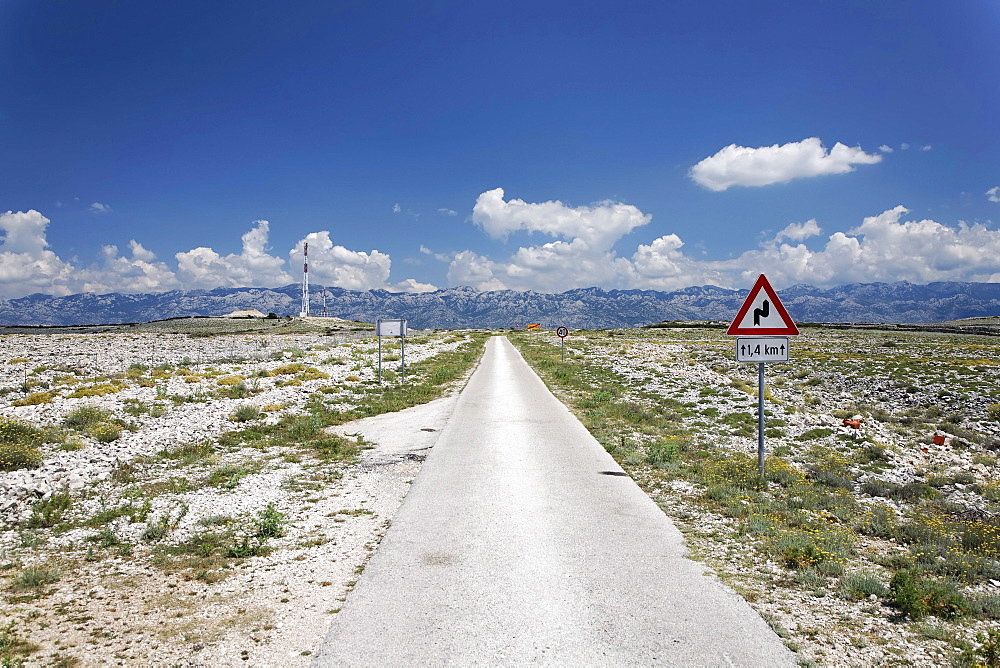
<point>304,313</point>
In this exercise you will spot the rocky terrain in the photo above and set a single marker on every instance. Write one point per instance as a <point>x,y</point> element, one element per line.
<point>883,459</point>
<point>463,307</point>
<point>203,514</point>
<point>170,527</point>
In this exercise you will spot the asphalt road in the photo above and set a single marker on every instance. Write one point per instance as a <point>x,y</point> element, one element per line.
<point>522,541</point>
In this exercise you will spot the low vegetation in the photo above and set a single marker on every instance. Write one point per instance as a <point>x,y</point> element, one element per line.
<point>877,514</point>
<point>269,442</point>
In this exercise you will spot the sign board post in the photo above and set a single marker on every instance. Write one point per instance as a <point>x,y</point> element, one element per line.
<point>762,327</point>
<point>392,328</point>
<point>562,333</point>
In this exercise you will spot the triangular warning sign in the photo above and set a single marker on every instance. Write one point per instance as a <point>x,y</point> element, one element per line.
<point>762,313</point>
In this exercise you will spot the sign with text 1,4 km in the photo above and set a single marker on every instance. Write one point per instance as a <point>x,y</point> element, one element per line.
<point>762,326</point>
<point>762,349</point>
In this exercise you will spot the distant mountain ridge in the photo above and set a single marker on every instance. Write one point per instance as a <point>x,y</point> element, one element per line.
<point>463,307</point>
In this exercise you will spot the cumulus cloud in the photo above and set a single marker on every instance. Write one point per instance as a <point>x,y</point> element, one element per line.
<point>413,286</point>
<point>138,273</point>
<point>440,257</point>
<point>97,207</point>
<point>26,263</point>
<point>582,254</point>
<point>886,247</point>
<point>883,248</point>
<point>800,231</point>
<point>885,148</point>
<point>332,264</point>
<point>598,226</point>
<point>993,194</point>
<point>204,268</point>
<point>662,265</point>
<point>396,208</point>
<point>743,166</point>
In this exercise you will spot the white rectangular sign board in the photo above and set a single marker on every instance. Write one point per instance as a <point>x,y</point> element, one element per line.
<point>762,349</point>
<point>391,328</point>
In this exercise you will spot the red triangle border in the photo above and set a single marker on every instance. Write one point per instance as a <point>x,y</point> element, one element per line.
<point>762,284</point>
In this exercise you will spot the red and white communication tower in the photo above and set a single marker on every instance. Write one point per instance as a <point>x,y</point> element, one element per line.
<point>304,313</point>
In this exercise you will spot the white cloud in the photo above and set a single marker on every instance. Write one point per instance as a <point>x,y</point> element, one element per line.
<point>743,166</point>
<point>904,146</point>
<point>396,208</point>
<point>926,147</point>
<point>598,226</point>
<point>140,253</point>
<point>885,148</point>
<point>413,286</point>
<point>120,274</point>
<point>440,257</point>
<point>800,231</point>
<point>882,248</point>
<point>204,268</point>
<point>885,247</point>
<point>993,194</point>
<point>97,207</point>
<point>26,263</point>
<point>581,256</point>
<point>448,212</point>
<point>331,264</point>
<point>662,265</point>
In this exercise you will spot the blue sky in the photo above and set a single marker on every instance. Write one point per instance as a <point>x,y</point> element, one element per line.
<point>525,145</point>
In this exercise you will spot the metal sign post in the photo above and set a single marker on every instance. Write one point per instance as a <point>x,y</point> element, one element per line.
<point>762,326</point>
<point>562,333</point>
<point>392,328</point>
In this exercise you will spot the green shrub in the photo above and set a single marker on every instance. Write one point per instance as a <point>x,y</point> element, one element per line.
<point>18,454</point>
<point>878,520</point>
<point>917,596</point>
<point>245,413</point>
<point>227,476</point>
<point>993,412</point>
<point>106,432</point>
<point>663,454</point>
<point>35,577</point>
<point>85,417</point>
<point>859,585</point>
<point>269,523</point>
<point>988,652</point>
<point>49,512</point>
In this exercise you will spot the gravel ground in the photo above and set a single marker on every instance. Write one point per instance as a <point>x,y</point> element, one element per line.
<point>115,594</point>
<point>905,388</point>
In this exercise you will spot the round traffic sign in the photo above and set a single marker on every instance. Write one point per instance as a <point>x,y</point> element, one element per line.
<point>562,332</point>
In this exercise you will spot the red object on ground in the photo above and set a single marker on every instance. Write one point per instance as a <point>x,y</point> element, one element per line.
<point>938,439</point>
<point>853,423</point>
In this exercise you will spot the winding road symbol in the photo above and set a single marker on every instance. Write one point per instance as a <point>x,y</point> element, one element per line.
<point>762,311</point>
<point>762,314</point>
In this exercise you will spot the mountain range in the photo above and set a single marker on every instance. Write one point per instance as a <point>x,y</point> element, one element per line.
<point>459,308</point>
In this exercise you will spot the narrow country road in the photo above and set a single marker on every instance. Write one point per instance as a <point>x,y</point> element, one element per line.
<point>522,541</point>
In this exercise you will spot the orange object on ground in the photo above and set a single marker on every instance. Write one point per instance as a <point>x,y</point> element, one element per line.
<point>853,423</point>
<point>938,439</point>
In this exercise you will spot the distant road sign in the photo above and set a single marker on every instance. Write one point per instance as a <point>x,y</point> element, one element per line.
<point>762,314</point>
<point>390,328</point>
<point>534,326</point>
<point>562,332</point>
<point>762,349</point>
